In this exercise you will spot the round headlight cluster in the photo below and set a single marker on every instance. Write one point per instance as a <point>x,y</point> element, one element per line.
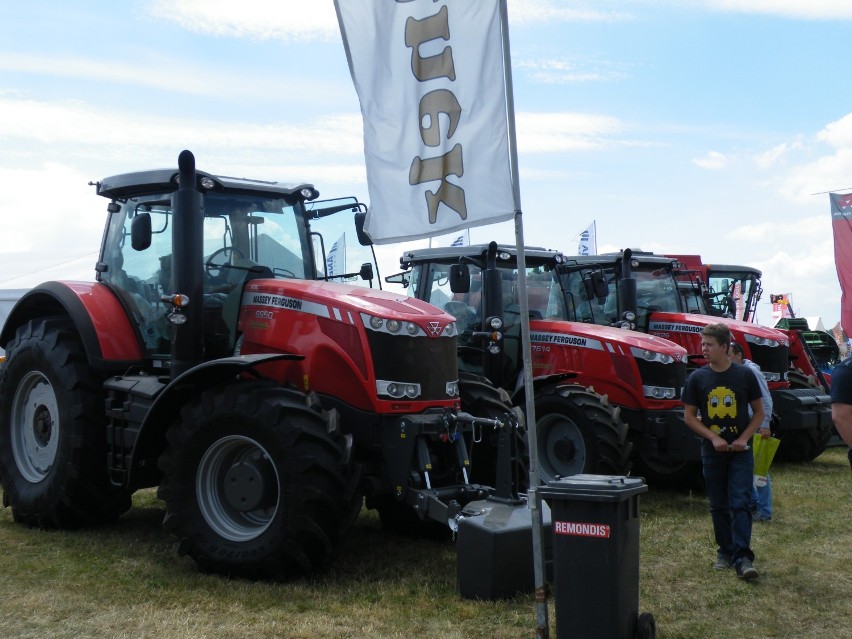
<point>659,392</point>
<point>652,356</point>
<point>762,341</point>
<point>397,390</point>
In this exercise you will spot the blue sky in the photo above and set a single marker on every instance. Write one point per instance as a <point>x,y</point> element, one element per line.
<point>700,126</point>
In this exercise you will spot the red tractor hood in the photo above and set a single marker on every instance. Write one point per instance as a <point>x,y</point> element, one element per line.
<point>612,339</point>
<point>332,298</point>
<point>663,323</point>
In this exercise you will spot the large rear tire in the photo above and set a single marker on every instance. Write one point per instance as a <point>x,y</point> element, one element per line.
<point>678,474</point>
<point>53,461</point>
<point>579,431</point>
<point>257,482</point>
<point>804,444</point>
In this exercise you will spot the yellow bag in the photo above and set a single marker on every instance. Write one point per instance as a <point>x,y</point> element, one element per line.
<point>764,452</point>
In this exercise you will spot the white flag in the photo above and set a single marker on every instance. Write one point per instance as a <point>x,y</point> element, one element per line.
<point>430,80</point>
<point>462,240</point>
<point>588,244</point>
<point>335,261</point>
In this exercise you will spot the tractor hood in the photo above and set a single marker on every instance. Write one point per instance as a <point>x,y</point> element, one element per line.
<point>663,324</point>
<point>614,340</point>
<point>329,299</point>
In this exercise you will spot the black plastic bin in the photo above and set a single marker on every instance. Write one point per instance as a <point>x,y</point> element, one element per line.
<point>595,524</point>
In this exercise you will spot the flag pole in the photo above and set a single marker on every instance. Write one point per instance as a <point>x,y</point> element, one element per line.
<point>542,630</point>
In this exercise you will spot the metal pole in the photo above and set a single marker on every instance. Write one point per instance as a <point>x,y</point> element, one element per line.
<point>542,630</point>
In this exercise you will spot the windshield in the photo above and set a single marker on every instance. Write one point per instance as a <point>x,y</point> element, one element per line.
<point>656,290</point>
<point>733,293</point>
<point>242,235</point>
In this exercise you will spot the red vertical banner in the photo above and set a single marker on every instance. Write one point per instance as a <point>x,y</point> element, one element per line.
<point>841,223</point>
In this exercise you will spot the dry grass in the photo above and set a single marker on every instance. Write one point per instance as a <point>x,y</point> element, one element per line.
<point>125,580</point>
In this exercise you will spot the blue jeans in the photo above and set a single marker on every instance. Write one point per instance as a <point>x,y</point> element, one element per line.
<point>729,480</point>
<point>761,499</point>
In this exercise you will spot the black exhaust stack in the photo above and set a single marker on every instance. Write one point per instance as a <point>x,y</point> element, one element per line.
<point>627,291</point>
<point>187,264</point>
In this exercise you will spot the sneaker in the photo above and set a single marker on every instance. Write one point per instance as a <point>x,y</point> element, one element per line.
<point>722,562</point>
<point>745,570</point>
<point>760,517</point>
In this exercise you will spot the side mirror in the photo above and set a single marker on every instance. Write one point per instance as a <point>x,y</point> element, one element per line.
<point>366,272</point>
<point>140,232</point>
<point>596,286</point>
<point>459,278</point>
<point>363,238</point>
<point>403,279</point>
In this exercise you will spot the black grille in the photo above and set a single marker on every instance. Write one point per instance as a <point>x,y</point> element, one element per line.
<point>665,375</point>
<point>771,359</point>
<point>430,362</point>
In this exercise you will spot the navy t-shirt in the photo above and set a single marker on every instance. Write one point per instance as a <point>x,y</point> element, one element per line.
<point>722,398</point>
<point>841,382</point>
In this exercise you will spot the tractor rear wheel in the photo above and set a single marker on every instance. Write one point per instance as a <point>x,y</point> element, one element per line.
<point>52,431</point>
<point>257,484</point>
<point>804,444</point>
<point>579,431</point>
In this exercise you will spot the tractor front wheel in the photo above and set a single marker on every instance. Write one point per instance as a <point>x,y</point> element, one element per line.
<point>256,482</point>
<point>579,431</point>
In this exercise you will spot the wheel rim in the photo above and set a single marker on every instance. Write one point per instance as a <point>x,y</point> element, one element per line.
<point>237,486</point>
<point>35,427</point>
<point>561,448</point>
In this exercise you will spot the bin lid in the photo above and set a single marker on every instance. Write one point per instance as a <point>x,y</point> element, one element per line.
<point>594,487</point>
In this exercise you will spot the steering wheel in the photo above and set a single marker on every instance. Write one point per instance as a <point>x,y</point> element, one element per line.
<point>215,270</point>
<point>464,314</point>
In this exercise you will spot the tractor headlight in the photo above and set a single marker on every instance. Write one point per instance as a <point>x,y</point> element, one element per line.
<point>397,390</point>
<point>659,392</point>
<point>452,389</point>
<point>651,356</point>
<point>762,341</point>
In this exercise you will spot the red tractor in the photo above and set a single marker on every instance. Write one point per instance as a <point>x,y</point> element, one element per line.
<point>654,294</point>
<point>599,391</point>
<point>733,291</point>
<point>209,359</point>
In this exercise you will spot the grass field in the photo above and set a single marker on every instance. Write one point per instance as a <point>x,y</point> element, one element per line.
<point>125,580</point>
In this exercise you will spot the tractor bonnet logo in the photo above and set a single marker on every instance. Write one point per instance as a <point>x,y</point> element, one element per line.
<point>434,329</point>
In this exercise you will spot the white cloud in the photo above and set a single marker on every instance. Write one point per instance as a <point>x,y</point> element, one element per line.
<point>523,12</point>
<point>830,172</point>
<point>550,132</point>
<point>776,154</point>
<point>713,161</point>
<point>85,131</point>
<point>290,20</point>
<point>163,73</point>
<point>567,71</point>
<point>807,10</point>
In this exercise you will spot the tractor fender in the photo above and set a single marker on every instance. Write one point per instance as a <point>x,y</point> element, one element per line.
<point>539,383</point>
<point>104,328</point>
<point>169,401</point>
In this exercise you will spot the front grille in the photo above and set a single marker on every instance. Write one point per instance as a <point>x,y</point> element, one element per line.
<point>430,362</point>
<point>664,375</point>
<point>771,359</point>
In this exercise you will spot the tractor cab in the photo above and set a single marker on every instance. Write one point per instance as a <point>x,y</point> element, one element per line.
<point>251,230</point>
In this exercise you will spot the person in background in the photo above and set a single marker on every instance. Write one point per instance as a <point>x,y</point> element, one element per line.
<point>841,401</point>
<point>761,495</point>
<point>723,392</point>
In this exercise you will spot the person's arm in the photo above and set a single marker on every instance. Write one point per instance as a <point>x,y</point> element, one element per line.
<point>741,443</point>
<point>690,416</point>
<point>842,415</point>
<point>766,396</point>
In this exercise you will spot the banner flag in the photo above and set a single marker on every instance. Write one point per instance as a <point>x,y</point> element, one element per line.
<point>781,306</point>
<point>431,84</point>
<point>588,241</point>
<point>335,261</point>
<point>841,224</point>
<point>462,240</point>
